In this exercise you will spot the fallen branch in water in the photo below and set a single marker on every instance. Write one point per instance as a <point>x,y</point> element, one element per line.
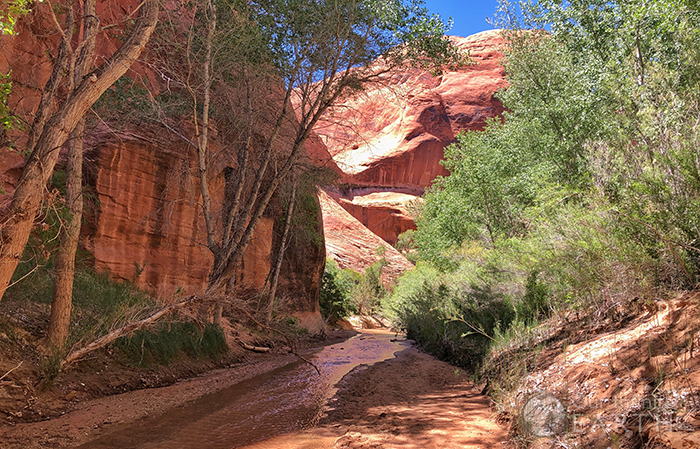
<point>254,348</point>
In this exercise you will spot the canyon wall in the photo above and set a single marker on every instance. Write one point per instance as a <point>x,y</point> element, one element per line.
<point>143,222</point>
<point>388,142</point>
<point>147,225</point>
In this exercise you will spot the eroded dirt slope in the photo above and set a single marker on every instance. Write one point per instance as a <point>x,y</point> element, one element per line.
<point>632,386</point>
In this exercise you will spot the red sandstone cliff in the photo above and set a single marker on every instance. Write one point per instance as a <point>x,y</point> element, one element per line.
<point>389,141</point>
<point>393,135</point>
<point>354,246</point>
<point>148,214</point>
<point>145,222</point>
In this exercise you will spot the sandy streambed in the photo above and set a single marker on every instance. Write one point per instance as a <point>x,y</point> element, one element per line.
<point>395,396</point>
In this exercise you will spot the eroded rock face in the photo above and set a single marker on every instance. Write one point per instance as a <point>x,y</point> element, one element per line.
<point>354,246</point>
<point>389,141</point>
<point>385,213</point>
<point>143,222</point>
<point>394,134</point>
<point>148,227</point>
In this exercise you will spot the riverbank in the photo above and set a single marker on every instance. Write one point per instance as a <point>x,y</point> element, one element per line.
<point>412,402</point>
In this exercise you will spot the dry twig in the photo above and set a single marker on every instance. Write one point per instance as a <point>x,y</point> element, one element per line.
<point>5,375</point>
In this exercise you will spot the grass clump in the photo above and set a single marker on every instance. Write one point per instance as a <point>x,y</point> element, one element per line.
<point>101,305</point>
<point>167,341</point>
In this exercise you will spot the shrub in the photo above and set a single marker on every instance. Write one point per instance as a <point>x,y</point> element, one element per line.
<point>345,292</point>
<point>535,303</point>
<point>454,325</point>
<point>334,300</point>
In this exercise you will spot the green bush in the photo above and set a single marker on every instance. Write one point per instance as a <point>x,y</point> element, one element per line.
<point>334,300</point>
<point>454,325</point>
<point>369,290</point>
<point>535,302</point>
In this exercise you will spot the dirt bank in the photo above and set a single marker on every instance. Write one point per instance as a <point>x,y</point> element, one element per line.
<point>412,401</point>
<point>632,383</point>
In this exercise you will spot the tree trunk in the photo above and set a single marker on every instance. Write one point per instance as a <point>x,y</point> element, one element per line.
<point>18,222</point>
<point>59,321</point>
<point>274,278</point>
<point>65,259</point>
<point>203,138</point>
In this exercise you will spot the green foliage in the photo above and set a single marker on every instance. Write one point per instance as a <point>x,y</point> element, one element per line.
<point>454,324</point>
<point>345,292</point>
<point>11,12</point>
<point>334,300</point>
<point>49,368</point>
<point>306,35</point>
<point>162,344</point>
<point>406,245</point>
<point>405,241</point>
<point>369,290</point>
<point>8,120</point>
<point>535,302</point>
<point>494,178</point>
<point>584,196</point>
<point>128,101</point>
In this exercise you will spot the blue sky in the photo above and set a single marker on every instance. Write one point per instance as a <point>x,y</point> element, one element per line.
<point>469,15</point>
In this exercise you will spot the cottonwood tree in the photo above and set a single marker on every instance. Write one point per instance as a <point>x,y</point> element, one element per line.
<point>306,56</point>
<point>53,126</point>
<point>65,259</point>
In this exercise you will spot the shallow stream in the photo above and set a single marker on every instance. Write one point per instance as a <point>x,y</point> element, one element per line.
<point>266,411</point>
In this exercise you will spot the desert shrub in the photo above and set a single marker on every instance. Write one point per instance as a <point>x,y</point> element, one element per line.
<point>99,303</point>
<point>345,292</point>
<point>453,324</point>
<point>535,302</point>
<point>369,290</point>
<point>406,245</point>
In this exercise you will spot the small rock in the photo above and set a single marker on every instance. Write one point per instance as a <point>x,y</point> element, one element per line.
<point>72,395</point>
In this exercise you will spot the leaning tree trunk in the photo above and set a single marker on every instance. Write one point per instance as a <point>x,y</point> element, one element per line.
<point>18,222</point>
<point>65,259</point>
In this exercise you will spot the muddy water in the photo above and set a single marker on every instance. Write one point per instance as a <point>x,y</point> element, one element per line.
<point>280,402</point>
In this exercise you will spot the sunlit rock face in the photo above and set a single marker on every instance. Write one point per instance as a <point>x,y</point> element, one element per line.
<point>393,135</point>
<point>389,141</point>
<point>146,224</point>
<point>385,213</point>
<point>143,223</point>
